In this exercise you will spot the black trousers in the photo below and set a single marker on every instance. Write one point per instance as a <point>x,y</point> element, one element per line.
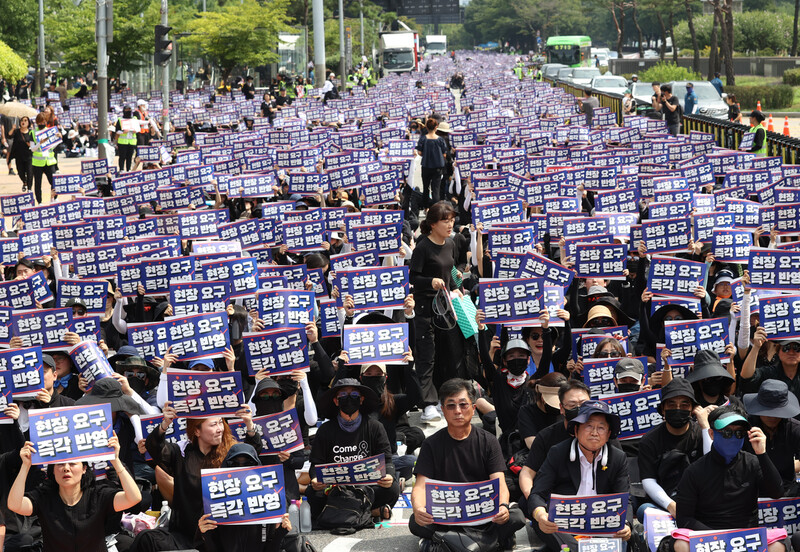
<point>504,532</point>
<point>48,171</point>
<point>383,497</point>
<point>125,152</point>
<point>431,184</point>
<point>25,172</point>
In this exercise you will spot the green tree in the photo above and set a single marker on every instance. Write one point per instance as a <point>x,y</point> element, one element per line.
<point>239,33</point>
<point>551,17</point>
<point>12,66</point>
<point>18,26</point>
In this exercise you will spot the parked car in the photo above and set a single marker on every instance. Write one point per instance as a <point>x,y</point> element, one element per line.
<point>709,102</point>
<point>642,92</point>
<point>550,70</point>
<point>582,76</point>
<point>609,84</point>
<point>564,75</point>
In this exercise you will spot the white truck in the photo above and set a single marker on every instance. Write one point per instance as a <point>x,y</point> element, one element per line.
<point>436,45</point>
<point>399,51</point>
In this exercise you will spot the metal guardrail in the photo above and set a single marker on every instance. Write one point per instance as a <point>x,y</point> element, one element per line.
<point>726,134</point>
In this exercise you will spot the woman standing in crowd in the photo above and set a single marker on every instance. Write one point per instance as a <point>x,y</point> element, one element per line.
<point>20,151</point>
<point>432,148</point>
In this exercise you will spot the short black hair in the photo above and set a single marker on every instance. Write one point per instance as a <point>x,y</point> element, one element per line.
<point>455,386</point>
<point>570,385</point>
<point>666,88</point>
<point>655,83</point>
<point>717,413</point>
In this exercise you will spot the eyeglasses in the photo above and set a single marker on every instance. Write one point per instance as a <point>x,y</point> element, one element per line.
<point>600,430</point>
<point>352,394</point>
<point>535,336</point>
<point>606,354</point>
<point>728,433</point>
<point>791,348</point>
<point>458,406</point>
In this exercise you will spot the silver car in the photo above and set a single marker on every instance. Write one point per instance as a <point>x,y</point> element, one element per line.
<point>550,70</point>
<point>609,84</point>
<point>582,76</point>
<point>709,102</point>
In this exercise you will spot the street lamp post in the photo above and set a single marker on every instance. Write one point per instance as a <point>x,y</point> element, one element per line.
<point>41,46</point>
<point>318,16</point>
<point>342,62</point>
<point>102,79</point>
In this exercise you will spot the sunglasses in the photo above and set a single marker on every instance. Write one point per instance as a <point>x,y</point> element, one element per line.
<point>131,374</point>
<point>672,318</point>
<point>607,354</point>
<point>601,322</point>
<point>791,348</point>
<point>728,433</point>
<point>352,394</point>
<point>535,336</point>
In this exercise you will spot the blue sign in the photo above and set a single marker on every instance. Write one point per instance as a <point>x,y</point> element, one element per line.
<point>376,343</point>
<point>198,224</point>
<point>44,327</point>
<point>497,212</point>
<point>277,352</point>
<point>47,139</point>
<point>354,259</point>
<point>367,471</point>
<point>781,513</point>
<point>376,288</point>
<point>685,338</point>
<point>780,316</point>
<point>754,540</point>
<point>23,294</point>
<point>774,269</point>
<point>306,235</point>
<point>534,265</point>
<point>26,369</point>
<point>200,297</point>
<point>241,274</point>
<point>12,205</point>
<point>285,308</point>
<point>638,412</point>
<point>91,362</point>
<point>588,515</point>
<point>189,337</point>
<point>93,293</point>
<point>244,496</point>
<point>673,277</point>
<point>385,239</point>
<point>196,394</point>
<point>512,301</point>
<point>598,374</point>
<point>72,433</point>
<point>279,432</point>
<point>666,235</point>
<point>596,260</point>
<point>731,246</point>
<point>657,525</point>
<point>462,504</point>
<point>330,323</point>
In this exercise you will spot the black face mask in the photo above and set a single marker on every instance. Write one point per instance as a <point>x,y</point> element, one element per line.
<point>571,413</point>
<point>288,386</point>
<point>517,366</point>
<point>269,404</point>
<point>137,384</point>
<point>376,383</point>
<point>677,418</point>
<point>712,387</point>
<point>628,387</point>
<point>349,405</point>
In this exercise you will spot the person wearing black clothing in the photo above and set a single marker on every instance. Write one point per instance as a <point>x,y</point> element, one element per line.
<point>21,532</point>
<point>711,381</point>
<point>347,436</point>
<point>571,395</point>
<point>671,107</point>
<point>431,271</point>
<point>666,450</point>
<point>71,507</point>
<point>268,107</point>
<point>21,152</point>
<point>248,89</point>
<point>544,410</point>
<point>773,409</point>
<point>283,100</point>
<point>432,148</point>
<point>563,469</point>
<point>211,537</point>
<point>210,439</point>
<point>461,453</point>
<point>721,490</point>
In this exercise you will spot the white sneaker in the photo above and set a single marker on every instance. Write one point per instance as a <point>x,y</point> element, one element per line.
<point>430,414</point>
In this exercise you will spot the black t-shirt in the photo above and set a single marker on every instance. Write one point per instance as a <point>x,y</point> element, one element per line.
<point>532,420</point>
<point>672,117</point>
<point>80,527</point>
<point>430,261</point>
<point>664,456</point>
<point>475,458</point>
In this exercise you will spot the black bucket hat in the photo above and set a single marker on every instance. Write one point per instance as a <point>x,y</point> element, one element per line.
<point>707,365</point>
<point>773,399</point>
<point>108,390</point>
<point>330,410</point>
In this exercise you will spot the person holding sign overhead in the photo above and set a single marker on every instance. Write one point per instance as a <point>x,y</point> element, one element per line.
<point>583,466</point>
<point>71,508</point>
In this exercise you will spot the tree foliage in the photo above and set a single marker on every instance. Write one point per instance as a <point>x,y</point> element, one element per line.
<point>239,33</point>
<point>753,32</point>
<point>12,66</point>
<point>18,26</point>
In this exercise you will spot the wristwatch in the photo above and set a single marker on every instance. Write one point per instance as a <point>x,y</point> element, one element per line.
<point>506,505</point>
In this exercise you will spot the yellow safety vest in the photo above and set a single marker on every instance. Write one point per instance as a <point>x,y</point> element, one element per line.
<point>126,138</point>
<point>763,150</point>
<point>40,158</point>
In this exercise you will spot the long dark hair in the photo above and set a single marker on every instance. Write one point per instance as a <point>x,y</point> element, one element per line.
<point>441,210</point>
<point>50,484</point>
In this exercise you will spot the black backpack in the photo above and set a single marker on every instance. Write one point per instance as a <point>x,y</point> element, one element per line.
<point>348,509</point>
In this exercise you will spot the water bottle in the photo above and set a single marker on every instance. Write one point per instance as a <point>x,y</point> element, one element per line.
<point>305,516</point>
<point>163,517</point>
<point>294,515</point>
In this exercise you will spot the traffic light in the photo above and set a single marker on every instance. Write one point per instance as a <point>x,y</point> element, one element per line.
<point>163,45</point>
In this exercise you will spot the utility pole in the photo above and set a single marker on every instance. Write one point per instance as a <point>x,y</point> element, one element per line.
<point>104,34</point>
<point>41,47</point>
<point>319,42</point>
<point>165,76</point>
<point>342,62</point>
<point>361,25</point>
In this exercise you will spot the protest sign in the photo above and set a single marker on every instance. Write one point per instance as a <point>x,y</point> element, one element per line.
<point>93,293</point>
<point>329,318</point>
<point>729,245</point>
<point>376,288</point>
<point>302,236</point>
<point>176,432</point>
<point>198,297</point>
<point>511,301</point>
<point>195,394</point>
<point>44,327</point>
<point>780,316</point>
<point>277,352</point>
<point>534,265</point>
<point>244,496</point>
<point>673,277</point>
<point>280,432</point>
<point>284,308</point>
<point>657,525</point>
<point>780,513</point>
<point>666,235</point>
<point>598,374</point>
<point>241,274</point>
<point>685,338</point>
<point>638,412</point>
<point>91,362</point>
<point>752,540</point>
<point>588,515</point>
<point>595,260</point>
<point>774,269</point>
<point>26,369</point>
<point>367,471</point>
<point>188,337</point>
<point>462,504</point>
<point>72,433</point>
<point>375,343</point>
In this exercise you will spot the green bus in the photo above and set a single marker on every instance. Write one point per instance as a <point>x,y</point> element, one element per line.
<point>573,51</point>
